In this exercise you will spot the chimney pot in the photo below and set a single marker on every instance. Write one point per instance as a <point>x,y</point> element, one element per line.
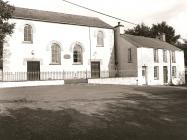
<point>161,36</point>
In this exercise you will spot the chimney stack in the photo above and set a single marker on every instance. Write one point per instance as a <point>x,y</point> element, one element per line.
<point>118,30</point>
<point>162,37</point>
<point>121,28</point>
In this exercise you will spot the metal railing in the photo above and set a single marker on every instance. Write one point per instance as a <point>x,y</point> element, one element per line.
<point>62,75</point>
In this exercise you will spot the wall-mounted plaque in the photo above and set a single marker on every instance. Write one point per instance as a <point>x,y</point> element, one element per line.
<point>67,56</point>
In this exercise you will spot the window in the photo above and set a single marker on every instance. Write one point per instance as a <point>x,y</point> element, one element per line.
<point>77,54</point>
<point>156,72</point>
<point>56,53</point>
<point>28,34</point>
<point>165,56</point>
<point>156,55</point>
<point>174,71</point>
<point>173,57</point>
<point>129,55</point>
<point>100,39</point>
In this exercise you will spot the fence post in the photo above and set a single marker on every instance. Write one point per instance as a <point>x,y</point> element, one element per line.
<point>63,75</point>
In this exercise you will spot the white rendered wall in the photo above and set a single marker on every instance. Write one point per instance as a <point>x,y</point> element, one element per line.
<point>102,54</point>
<point>180,78</point>
<point>146,58</point>
<point>31,83</point>
<point>44,34</point>
<point>115,81</point>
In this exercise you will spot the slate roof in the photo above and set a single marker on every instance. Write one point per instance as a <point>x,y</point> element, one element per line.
<point>61,18</point>
<point>140,41</point>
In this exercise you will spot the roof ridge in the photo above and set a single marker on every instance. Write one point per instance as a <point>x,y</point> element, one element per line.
<point>56,12</point>
<point>140,36</point>
<point>155,39</point>
<point>148,42</point>
<point>59,17</point>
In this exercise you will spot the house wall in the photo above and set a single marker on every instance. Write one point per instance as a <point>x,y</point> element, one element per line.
<point>17,52</point>
<point>146,58</point>
<point>180,64</point>
<point>125,69</point>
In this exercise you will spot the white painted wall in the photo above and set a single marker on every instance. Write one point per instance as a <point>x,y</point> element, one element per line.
<point>30,83</point>
<point>146,58</point>
<point>180,79</point>
<point>44,34</point>
<point>115,81</point>
<point>102,54</point>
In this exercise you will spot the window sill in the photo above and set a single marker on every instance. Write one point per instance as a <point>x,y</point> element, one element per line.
<point>156,79</point>
<point>100,46</point>
<point>55,64</point>
<point>27,42</point>
<point>77,63</point>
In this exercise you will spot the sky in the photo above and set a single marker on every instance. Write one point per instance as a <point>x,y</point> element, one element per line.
<point>174,12</point>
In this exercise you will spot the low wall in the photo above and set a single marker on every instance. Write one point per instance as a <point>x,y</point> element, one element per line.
<point>30,83</point>
<point>115,81</point>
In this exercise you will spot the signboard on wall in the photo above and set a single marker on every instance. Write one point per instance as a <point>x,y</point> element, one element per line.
<point>67,56</point>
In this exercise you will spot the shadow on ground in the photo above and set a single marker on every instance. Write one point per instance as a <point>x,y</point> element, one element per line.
<point>160,114</point>
<point>144,121</point>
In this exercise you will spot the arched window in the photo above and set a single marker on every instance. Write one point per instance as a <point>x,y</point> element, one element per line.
<point>28,34</point>
<point>77,54</point>
<point>56,53</point>
<point>100,39</point>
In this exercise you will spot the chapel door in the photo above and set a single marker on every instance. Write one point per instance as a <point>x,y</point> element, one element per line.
<point>95,69</point>
<point>33,70</point>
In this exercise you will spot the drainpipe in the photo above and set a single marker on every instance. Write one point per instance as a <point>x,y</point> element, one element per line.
<point>116,46</point>
<point>116,30</point>
<point>170,82</point>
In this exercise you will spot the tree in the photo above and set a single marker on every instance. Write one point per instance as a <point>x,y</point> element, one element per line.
<point>6,12</point>
<point>154,31</point>
<point>168,30</point>
<point>140,30</point>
